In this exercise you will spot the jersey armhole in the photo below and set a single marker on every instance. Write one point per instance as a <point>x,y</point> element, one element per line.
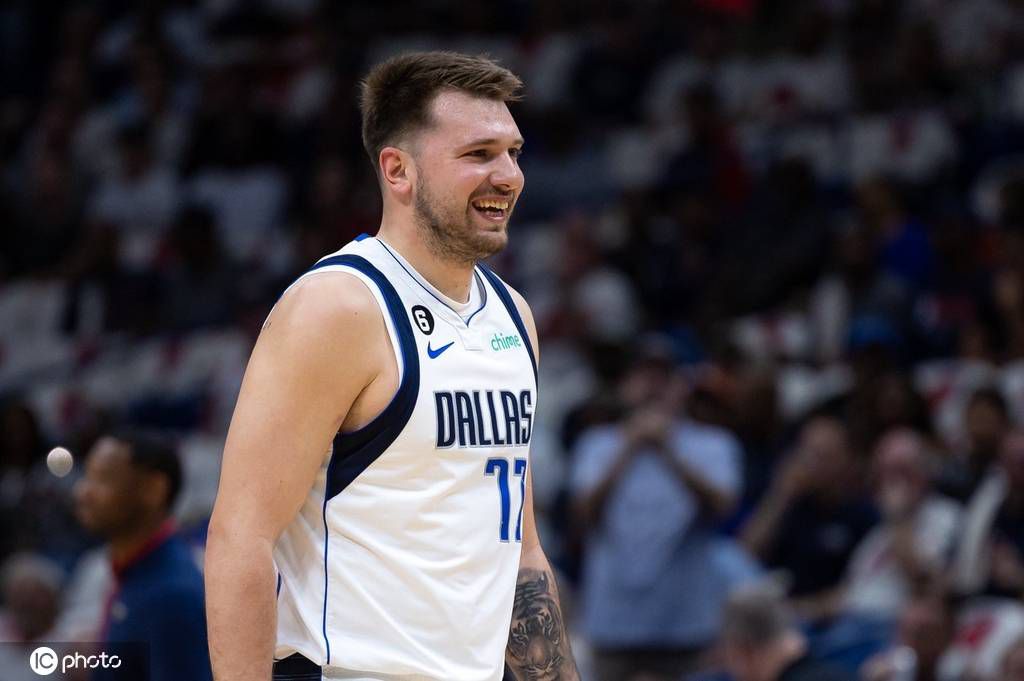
<point>353,452</point>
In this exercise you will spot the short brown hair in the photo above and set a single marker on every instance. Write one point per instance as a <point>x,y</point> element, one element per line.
<point>756,615</point>
<point>397,93</point>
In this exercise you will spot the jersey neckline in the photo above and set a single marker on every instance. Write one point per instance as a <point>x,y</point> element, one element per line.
<point>464,312</point>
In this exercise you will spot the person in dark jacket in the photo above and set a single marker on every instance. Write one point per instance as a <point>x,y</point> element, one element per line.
<point>156,610</point>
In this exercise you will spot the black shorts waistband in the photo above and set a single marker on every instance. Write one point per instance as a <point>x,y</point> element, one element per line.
<point>297,668</point>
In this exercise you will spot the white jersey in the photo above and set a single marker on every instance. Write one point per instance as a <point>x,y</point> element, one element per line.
<point>402,563</point>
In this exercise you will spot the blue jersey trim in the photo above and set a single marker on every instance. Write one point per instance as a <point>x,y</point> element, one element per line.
<point>354,452</point>
<point>327,641</point>
<point>483,293</point>
<point>362,236</point>
<point>483,301</point>
<point>513,311</point>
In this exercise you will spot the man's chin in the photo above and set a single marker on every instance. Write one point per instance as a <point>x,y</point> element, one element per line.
<point>492,241</point>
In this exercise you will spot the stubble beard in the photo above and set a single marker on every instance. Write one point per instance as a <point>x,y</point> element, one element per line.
<point>450,234</point>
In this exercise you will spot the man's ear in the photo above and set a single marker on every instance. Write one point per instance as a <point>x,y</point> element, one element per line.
<point>398,173</point>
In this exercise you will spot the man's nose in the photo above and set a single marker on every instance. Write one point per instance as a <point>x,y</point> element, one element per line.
<point>506,174</point>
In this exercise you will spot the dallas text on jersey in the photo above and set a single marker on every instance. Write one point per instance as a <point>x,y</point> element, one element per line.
<point>461,418</point>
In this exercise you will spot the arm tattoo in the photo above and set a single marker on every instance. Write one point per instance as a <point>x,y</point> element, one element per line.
<point>538,644</point>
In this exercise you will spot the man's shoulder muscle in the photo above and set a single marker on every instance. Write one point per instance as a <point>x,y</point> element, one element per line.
<point>320,347</point>
<point>329,317</point>
<point>325,301</point>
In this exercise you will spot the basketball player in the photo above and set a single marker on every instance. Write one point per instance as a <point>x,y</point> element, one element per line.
<point>374,518</point>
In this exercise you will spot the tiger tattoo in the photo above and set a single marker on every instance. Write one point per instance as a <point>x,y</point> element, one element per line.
<point>537,650</point>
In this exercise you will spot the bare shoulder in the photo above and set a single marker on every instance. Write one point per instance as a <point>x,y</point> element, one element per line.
<point>330,325</point>
<point>322,345</point>
<point>324,303</point>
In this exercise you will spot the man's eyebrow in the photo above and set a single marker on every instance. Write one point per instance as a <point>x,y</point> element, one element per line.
<point>488,141</point>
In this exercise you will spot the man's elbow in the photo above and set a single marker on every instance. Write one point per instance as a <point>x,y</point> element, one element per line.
<point>218,533</point>
<point>227,538</point>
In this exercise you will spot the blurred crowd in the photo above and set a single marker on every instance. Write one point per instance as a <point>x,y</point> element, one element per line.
<point>775,250</point>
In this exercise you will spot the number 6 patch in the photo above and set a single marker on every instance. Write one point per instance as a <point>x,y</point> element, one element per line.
<point>423,319</point>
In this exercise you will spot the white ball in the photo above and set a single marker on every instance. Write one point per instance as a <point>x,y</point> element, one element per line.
<point>59,461</point>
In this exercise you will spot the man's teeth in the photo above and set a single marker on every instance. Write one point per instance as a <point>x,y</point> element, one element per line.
<point>500,205</point>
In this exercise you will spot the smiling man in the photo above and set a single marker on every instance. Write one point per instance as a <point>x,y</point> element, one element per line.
<point>375,516</point>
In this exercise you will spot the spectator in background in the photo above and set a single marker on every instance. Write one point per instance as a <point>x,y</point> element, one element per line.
<point>710,161</point>
<point>986,421</point>
<point>130,485</point>
<point>760,427</point>
<point>990,557</point>
<point>139,200</point>
<point>905,250</point>
<point>21,449</point>
<point>649,491</point>
<point>30,586</point>
<point>914,541</point>
<point>201,285</point>
<point>760,642</point>
<point>857,288</point>
<point>43,222</point>
<point>612,72</point>
<point>778,244</point>
<point>600,302</point>
<point>924,631</point>
<point>35,510</point>
<point>812,516</point>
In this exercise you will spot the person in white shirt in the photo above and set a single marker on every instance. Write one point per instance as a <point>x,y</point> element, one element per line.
<point>913,544</point>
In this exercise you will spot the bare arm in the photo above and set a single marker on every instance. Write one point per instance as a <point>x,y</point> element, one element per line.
<point>589,507</point>
<point>905,549</point>
<point>717,502</point>
<point>761,531</point>
<point>538,641</point>
<point>300,385</point>
<point>759,534</point>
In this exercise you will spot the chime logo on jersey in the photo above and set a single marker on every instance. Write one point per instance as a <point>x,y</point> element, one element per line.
<point>505,341</point>
<point>483,418</point>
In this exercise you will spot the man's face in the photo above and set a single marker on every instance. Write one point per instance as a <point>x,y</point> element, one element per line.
<point>108,500</point>
<point>468,177</point>
<point>902,470</point>
<point>823,444</point>
<point>985,427</point>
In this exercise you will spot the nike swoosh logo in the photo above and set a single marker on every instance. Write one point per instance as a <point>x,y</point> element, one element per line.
<point>434,354</point>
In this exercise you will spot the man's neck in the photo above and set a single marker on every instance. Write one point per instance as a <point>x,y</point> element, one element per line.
<point>450,278</point>
<point>126,547</point>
